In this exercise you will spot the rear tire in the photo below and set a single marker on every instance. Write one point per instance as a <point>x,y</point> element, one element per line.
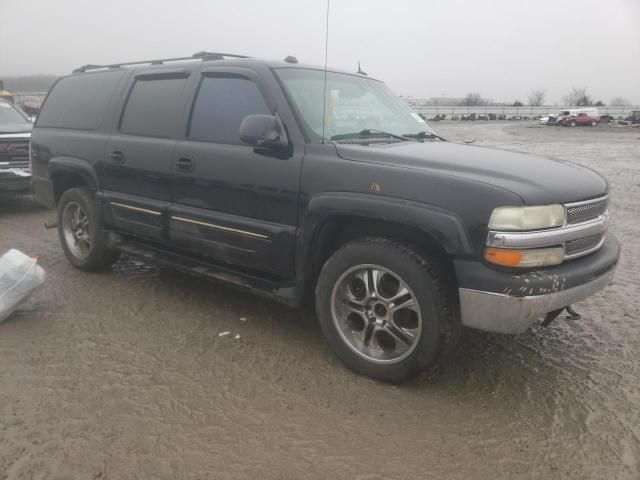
<point>573,123</point>
<point>594,123</point>
<point>374,334</point>
<point>81,232</point>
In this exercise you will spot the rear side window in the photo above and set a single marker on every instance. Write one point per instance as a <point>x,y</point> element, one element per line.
<point>154,107</point>
<point>221,105</point>
<point>79,101</point>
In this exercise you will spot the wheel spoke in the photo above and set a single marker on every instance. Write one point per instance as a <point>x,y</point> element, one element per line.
<point>402,292</point>
<point>409,303</point>
<point>374,276</point>
<point>353,307</point>
<point>403,339</point>
<point>367,333</point>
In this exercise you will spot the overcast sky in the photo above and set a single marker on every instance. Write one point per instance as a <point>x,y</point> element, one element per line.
<point>422,48</point>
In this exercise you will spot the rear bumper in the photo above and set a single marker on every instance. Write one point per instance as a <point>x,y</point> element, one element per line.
<point>503,302</point>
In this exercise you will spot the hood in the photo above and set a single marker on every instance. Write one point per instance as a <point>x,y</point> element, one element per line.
<point>15,128</point>
<point>536,179</point>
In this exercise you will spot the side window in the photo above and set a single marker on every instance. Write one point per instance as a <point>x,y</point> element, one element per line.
<point>221,105</point>
<point>79,101</point>
<point>154,107</point>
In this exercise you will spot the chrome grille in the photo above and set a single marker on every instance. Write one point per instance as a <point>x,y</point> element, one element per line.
<point>14,153</point>
<point>584,244</point>
<point>584,212</point>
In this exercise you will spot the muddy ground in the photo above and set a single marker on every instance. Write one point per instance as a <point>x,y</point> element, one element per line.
<point>124,375</point>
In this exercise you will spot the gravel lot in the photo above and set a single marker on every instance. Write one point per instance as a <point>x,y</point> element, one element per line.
<point>124,375</point>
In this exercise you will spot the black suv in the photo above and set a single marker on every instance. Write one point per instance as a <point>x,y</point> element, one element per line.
<point>305,185</point>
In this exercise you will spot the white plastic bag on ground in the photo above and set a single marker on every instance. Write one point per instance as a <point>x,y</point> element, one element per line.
<point>20,275</point>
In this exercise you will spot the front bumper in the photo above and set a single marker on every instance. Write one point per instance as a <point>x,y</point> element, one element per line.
<point>14,181</point>
<point>503,302</point>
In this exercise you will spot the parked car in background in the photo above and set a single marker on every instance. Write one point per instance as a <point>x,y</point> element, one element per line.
<point>550,119</point>
<point>579,116</point>
<point>15,131</point>
<point>634,118</point>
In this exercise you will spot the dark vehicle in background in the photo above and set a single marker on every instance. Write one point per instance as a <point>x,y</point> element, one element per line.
<point>438,117</point>
<point>634,118</point>
<point>15,131</point>
<point>236,169</point>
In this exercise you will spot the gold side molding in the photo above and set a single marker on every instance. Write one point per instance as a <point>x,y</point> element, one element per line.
<point>136,209</point>
<point>220,227</point>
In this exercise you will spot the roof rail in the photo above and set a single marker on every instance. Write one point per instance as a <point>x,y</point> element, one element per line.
<point>204,56</point>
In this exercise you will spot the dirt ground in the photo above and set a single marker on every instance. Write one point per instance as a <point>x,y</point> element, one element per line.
<point>124,375</point>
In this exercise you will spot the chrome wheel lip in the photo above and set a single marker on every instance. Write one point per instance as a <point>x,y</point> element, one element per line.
<point>341,324</point>
<point>76,231</point>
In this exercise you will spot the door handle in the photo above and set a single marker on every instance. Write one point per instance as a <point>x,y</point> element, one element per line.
<point>185,164</point>
<point>117,156</point>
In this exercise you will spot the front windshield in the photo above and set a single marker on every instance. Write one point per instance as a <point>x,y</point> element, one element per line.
<point>9,115</point>
<point>353,104</point>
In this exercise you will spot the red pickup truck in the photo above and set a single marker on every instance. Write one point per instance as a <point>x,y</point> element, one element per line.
<point>579,116</point>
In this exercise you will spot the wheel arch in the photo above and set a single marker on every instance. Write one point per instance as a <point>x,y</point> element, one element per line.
<point>67,172</point>
<point>333,220</point>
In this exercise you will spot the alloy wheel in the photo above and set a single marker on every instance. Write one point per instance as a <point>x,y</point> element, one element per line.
<point>376,313</point>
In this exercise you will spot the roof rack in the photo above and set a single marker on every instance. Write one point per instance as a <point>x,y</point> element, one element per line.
<point>204,56</point>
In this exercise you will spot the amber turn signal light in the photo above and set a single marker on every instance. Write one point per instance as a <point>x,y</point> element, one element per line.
<point>508,258</point>
<point>531,257</point>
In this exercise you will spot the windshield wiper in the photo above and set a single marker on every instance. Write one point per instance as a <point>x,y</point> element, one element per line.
<point>424,135</point>
<point>369,132</point>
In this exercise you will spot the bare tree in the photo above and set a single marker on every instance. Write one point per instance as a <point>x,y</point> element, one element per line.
<point>517,103</point>
<point>620,102</point>
<point>577,96</point>
<point>473,100</point>
<point>536,98</point>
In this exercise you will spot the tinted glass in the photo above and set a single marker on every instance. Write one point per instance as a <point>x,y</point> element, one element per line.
<point>154,107</point>
<point>221,105</point>
<point>79,101</point>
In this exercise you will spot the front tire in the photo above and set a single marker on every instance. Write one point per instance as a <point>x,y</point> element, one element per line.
<point>81,232</point>
<point>385,310</point>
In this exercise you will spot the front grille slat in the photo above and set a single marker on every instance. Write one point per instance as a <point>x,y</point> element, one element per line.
<point>586,212</point>
<point>583,244</point>
<point>14,153</point>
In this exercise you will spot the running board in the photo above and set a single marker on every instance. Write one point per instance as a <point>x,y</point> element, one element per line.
<point>281,291</point>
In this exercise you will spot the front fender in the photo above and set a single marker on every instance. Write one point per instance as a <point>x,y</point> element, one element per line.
<point>443,226</point>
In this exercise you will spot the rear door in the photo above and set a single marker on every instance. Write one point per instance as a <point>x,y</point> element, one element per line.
<point>233,202</point>
<point>136,168</point>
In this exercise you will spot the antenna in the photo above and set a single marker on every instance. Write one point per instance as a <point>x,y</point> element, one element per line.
<point>324,96</point>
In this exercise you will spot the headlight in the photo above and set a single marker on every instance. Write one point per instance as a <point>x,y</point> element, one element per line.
<point>527,218</point>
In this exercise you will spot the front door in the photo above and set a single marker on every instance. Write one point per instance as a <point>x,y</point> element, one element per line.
<point>136,169</point>
<point>233,202</point>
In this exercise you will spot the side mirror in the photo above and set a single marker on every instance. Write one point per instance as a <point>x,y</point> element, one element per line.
<point>263,131</point>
